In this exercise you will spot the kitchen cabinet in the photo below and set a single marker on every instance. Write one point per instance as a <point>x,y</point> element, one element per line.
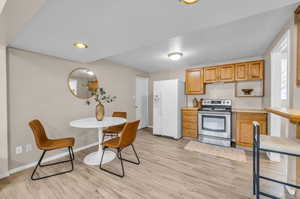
<point>241,72</point>
<point>256,70</point>
<point>244,127</point>
<point>194,81</point>
<point>226,73</point>
<point>249,71</point>
<point>211,74</point>
<point>190,122</point>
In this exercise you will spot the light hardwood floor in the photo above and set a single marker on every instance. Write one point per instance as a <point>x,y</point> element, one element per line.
<point>167,171</point>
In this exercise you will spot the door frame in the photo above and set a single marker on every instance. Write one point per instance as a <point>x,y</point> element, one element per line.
<point>3,114</point>
<point>147,100</point>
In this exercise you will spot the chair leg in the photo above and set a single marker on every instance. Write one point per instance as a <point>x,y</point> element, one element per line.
<point>119,153</point>
<point>136,155</point>
<point>71,155</point>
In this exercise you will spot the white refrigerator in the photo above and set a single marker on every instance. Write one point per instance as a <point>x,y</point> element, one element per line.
<point>168,99</point>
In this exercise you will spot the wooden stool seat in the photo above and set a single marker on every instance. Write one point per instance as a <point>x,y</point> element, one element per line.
<point>52,144</point>
<point>279,144</point>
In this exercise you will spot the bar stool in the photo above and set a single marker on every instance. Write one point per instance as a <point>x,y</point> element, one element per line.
<point>285,146</point>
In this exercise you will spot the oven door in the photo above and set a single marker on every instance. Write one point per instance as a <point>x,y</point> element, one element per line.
<point>217,124</point>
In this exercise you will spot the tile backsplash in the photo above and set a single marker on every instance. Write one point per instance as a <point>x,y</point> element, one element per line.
<point>227,91</point>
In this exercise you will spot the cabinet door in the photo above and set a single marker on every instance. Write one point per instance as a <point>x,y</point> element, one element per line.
<point>256,70</point>
<point>244,128</point>
<point>241,72</point>
<point>226,73</point>
<point>194,81</point>
<point>210,74</point>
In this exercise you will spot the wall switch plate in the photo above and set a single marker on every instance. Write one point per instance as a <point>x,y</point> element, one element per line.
<point>28,147</point>
<point>19,149</point>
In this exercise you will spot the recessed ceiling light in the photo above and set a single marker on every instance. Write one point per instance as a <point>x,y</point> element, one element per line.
<point>175,55</point>
<point>188,1</point>
<point>80,45</point>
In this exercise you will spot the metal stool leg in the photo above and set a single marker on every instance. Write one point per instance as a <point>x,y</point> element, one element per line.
<point>257,171</point>
<point>253,166</point>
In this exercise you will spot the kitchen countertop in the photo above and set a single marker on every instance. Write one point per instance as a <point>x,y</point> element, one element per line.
<point>291,114</point>
<point>249,111</point>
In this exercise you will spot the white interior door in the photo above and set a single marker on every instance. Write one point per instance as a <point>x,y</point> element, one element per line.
<point>141,101</point>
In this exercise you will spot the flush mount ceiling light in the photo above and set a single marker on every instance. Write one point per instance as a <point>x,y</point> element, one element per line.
<point>175,55</point>
<point>189,2</point>
<point>80,45</point>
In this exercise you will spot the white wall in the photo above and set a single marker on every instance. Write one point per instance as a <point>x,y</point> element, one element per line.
<point>37,89</point>
<point>3,114</point>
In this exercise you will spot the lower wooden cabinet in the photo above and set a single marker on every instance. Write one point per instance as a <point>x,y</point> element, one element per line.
<point>244,127</point>
<point>190,122</point>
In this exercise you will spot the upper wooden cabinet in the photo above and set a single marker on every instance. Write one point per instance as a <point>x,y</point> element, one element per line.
<point>256,70</point>
<point>241,71</point>
<point>246,71</point>
<point>249,71</point>
<point>226,73</point>
<point>194,81</point>
<point>211,74</point>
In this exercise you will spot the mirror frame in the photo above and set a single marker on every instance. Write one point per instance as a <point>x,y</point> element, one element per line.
<point>69,77</point>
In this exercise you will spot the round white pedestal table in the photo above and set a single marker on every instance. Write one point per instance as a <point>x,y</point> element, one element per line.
<point>95,157</point>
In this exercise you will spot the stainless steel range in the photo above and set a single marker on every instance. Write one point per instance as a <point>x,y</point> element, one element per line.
<point>214,122</point>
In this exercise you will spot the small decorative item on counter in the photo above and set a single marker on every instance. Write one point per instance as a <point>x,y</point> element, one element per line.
<point>200,103</point>
<point>195,102</point>
<point>247,91</point>
<point>101,97</point>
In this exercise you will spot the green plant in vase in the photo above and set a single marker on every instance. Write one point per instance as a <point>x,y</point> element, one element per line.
<point>101,97</point>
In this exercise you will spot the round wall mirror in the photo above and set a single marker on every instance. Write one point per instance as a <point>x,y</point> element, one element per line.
<point>82,83</point>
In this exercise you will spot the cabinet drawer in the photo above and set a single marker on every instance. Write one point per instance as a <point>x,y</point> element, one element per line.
<point>189,113</point>
<point>189,118</point>
<point>251,116</point>
<point>190,125</point>
<point>190,133</point>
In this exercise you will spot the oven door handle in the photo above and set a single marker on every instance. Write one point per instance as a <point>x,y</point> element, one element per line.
<point>213,113</point>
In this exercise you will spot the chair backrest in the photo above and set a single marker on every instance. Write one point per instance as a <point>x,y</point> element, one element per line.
<point>120,114</point>
<point>128,133</point>
<point>38,132</point>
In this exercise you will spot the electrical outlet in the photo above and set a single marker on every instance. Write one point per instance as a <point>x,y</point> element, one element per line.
<point>19,149</point>
<point>28,147</point>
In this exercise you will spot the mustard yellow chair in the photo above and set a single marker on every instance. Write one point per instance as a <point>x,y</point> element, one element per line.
<point>46,144</point>
<point>127,137</point>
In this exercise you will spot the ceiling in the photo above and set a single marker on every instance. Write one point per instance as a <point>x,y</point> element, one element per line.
<point>245,38</point>
<point>115,27</point>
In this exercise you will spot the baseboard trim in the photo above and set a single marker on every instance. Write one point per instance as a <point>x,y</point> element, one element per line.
<point>4,175</point>
<point>54,157</point>
<point>150,126</point>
